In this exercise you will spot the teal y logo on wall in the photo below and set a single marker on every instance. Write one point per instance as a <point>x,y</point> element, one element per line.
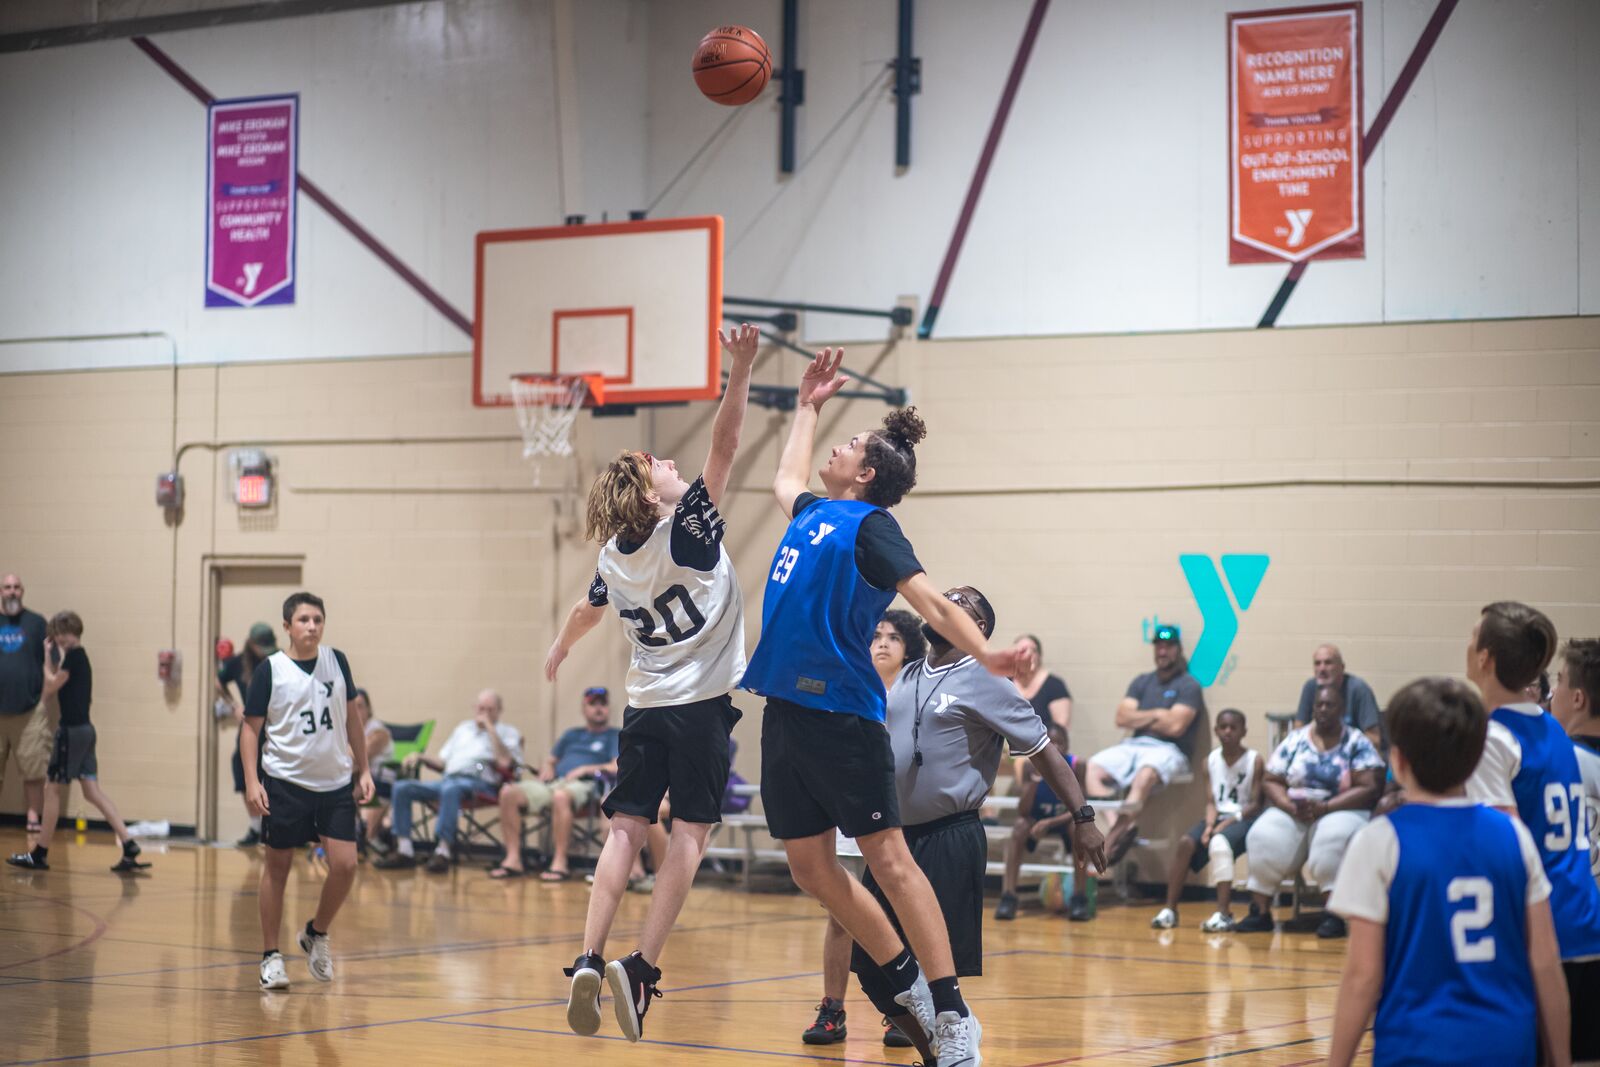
<point>1221,623</point>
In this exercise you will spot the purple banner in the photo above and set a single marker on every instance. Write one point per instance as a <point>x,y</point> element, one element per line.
<point>250,201</point>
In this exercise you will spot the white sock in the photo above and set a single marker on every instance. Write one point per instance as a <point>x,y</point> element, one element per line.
<point>255,823</point>
<point>443,849</point>
<point>404,847</point>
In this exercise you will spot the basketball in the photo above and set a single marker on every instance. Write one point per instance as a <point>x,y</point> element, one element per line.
<point>732,65</point>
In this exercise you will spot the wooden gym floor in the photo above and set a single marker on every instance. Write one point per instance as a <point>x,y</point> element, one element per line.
<point>161,969</point>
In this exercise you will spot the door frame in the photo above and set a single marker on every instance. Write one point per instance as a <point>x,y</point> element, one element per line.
<point>214,568</point>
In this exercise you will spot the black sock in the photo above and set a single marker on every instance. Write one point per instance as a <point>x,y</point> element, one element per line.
<point>39,853</point>
<point>269,953</point>
<point>947,996</point>
<point>313,931</point>
<point>901,972</point>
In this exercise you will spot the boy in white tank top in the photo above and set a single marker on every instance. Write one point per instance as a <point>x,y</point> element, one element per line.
<point>313,762</point>
<point>1233,800</point>
<point>663,568</point>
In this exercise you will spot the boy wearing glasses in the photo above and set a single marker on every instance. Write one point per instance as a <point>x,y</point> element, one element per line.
<point>663,568</point>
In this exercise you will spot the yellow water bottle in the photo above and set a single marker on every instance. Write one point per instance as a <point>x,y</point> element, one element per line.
<point>82,824</point>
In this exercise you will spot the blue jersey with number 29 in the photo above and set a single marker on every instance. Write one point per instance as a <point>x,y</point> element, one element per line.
<point>817,616</point>
<point>1550,801</point>
<point>1457,987</point>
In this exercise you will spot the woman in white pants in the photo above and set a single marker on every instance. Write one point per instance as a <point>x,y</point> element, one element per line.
<point>1320,786</point>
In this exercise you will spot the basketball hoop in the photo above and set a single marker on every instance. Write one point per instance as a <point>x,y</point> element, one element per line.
<point>547,407</point>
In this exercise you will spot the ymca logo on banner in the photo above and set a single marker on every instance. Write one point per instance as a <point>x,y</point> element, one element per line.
<point>251,166</point>
<point>1294,134</point>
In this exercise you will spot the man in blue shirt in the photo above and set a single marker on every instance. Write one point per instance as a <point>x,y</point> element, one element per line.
<point>566,783</point>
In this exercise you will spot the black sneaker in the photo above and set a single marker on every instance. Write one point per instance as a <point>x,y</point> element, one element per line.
<point>894,1037</point>
<point>1007,908</point>
<point>583,1002</point>
<point>439,863</point>
<point>633,984</point>
<point>130,858</point>
<point>1078,909</point>
<point>249,840</point>
<point>395,861</point>
<point>1257,922</point>
<point>27,861</point>
<point>1332,927</point>
<point>829,1027</point>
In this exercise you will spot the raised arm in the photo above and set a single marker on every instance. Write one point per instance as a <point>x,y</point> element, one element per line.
<point>820,381</point>
<point>741,345</point>
<point>54,676</point>
<point>583,617</point>
<point>957,626</point>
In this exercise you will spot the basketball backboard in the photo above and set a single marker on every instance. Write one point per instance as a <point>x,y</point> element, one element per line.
<point>638,303</point>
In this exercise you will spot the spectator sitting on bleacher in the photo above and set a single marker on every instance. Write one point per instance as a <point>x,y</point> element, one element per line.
<point>565,785</point>
<point>1233,800</point>
<point>1040,814</point>
<point>380,750</point>
<point>1360,704</point>
<point>476,756</point>
<point>1164,709</point>
<point>1320,786</point>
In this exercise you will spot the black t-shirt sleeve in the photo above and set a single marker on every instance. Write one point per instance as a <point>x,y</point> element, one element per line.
<point>599,593</point>
<point>344,669</point>
<point>697,529</point>
<point>803,501</point>
<point>260,695</point>
<point>883,555</point>
<point>1054,688</point>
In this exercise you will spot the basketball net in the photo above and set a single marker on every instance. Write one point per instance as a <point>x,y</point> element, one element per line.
<point>547,407</point>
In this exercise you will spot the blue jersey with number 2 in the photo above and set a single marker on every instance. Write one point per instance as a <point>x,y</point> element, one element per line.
<point>1550,801</point>
<point>1457,987</point>
<point>818,614</point>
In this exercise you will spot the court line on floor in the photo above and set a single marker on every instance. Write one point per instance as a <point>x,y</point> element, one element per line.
<point>1179,1041</point>
<point>674,1044</point>
<point>130,941</point>
<point>438,1017</point>
<point>1180,963</point>
<point>100,927</point>
<point>1246,1052</point>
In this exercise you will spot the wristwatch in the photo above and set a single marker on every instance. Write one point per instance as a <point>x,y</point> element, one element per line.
<point>1083,815</point>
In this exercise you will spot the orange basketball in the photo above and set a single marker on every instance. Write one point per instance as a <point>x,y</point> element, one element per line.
<point>732,65</point>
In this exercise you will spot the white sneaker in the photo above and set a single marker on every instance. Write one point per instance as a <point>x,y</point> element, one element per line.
<point>1219,923</point>
<point>318,958</point>
<point>274,975</point>
<point>918,1000</point>
<point>1165,919</point>
<point>956,1040</point>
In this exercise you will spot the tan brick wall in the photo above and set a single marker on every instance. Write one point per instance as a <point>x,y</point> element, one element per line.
<point>446,569</point>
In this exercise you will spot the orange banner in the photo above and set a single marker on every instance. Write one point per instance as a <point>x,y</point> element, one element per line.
<point>1294,134</point>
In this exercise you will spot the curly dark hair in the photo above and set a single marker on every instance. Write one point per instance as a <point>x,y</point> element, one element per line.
<point>891,453</point>
<point>909,627</point>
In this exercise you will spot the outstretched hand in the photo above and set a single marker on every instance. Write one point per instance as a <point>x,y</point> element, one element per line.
<point>741,343</point>
<point>822,379</point>
<point>1088,847</point>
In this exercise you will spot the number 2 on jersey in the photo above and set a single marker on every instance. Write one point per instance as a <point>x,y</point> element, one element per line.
<point>1470,920</point>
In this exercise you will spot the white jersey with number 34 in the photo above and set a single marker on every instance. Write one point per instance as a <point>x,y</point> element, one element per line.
<point>304,738</point>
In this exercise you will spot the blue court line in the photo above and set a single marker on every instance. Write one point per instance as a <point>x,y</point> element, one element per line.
<point>1240,1052</point>
<point>673,1044</point>
<point>1178,963</point>
<point>437,1018</point>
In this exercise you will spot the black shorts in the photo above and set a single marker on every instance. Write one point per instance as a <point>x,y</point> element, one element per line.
<point>684,748</point>
<point>1234,833</point>
<point>1583,990</point>
<point>297,816</point>
<point>952,852</point>
<point>73,756</point>
<point>825,769</point>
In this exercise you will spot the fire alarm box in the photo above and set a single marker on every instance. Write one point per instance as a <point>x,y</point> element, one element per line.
<point>169,490</point>
<point>169,666</point>
<point>252,478</point>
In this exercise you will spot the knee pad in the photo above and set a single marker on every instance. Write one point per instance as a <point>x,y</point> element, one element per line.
<point>873,982</point>
<point>1222,865</point>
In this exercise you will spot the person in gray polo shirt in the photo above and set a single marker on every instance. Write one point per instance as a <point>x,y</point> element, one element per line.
<point>1360,704</point>
<point>949,720</point>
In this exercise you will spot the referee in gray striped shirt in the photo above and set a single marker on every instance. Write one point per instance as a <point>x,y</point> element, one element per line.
<point>948,721</point>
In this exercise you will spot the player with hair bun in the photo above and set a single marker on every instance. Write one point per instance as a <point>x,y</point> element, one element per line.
<point>826,761</point>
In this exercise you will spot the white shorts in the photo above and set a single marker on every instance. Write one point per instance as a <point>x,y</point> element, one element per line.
<point>1127,758</point>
